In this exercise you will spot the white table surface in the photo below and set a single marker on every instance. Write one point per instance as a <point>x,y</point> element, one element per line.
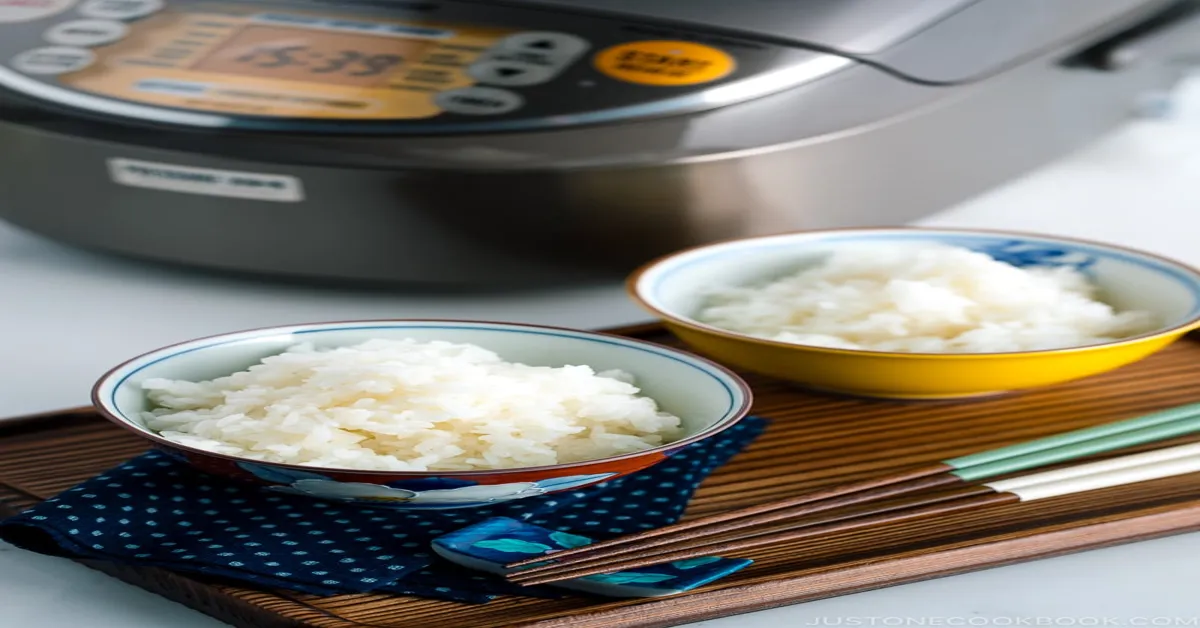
<point>66,316</point>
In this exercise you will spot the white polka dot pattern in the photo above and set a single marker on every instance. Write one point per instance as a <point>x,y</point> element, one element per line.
<point>156,511</point>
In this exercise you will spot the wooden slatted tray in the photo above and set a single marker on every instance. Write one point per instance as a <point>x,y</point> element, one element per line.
<point>813,440</point>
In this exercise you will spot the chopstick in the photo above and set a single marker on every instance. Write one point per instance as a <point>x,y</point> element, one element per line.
<point>954,471</point>
<point>702,545</point>
<point>705,545</point>
<point>1156,464</point>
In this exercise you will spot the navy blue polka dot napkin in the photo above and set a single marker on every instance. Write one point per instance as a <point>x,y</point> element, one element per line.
<point>155,511</point>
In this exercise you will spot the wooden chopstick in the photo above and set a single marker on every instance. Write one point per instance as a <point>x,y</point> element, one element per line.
<point>708,543</point>
<point>732,546</point>
<point>709,528</point>
<point>1031,454</point>
<point>1142,467</point>
<point>705,544</point>
<point>916,478</point>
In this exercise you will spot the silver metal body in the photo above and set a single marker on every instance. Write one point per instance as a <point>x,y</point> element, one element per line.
<point>885,127</point>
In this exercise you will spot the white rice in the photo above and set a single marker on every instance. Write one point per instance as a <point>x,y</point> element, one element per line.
<point>404,405</point>
<point>924,299</point>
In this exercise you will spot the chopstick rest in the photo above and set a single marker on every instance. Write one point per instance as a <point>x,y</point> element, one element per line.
<point>487,545</point>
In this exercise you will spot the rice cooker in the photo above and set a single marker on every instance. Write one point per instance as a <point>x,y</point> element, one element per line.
<point>505,141</point>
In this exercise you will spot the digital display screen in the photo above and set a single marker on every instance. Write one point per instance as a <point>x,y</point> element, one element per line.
<point>313,56</point>
<point>230,59</point>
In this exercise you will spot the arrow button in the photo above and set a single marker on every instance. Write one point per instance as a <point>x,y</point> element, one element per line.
<point>564,47</point>
<point>509,73</point>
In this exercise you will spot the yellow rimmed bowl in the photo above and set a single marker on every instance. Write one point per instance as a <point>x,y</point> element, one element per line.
<point>674,289</point>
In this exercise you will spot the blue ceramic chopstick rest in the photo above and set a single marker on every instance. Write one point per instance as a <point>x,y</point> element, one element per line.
<point>492,543</point>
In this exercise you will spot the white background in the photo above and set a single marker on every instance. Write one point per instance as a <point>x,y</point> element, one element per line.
<point>66,316</point>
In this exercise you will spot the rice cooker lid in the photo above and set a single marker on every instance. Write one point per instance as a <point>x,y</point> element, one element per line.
<point>859,27</point>
<point>933,41</point>
<point>469,66</point>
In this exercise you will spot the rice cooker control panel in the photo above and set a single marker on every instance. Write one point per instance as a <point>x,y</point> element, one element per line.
<point>358,65</point>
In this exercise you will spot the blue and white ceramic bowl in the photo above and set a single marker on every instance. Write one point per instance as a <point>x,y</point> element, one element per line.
<point>707,397</point>
<point>675,287</point>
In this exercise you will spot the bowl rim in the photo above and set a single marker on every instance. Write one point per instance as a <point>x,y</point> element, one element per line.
<point>633,289</point>
<point>731,418</point>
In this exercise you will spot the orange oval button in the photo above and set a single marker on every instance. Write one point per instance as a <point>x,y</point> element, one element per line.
<point>665,63</point>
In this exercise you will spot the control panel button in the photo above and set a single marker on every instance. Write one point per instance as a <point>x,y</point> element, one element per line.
<point>510,73</point>
<point>120,9</point>
<point>665,63</point>
<point>12,11</point>
<point>477,101</point>
<point>561,45</point>
<point>53,60</point>
<point>86,33</point>
<point>555,51</point>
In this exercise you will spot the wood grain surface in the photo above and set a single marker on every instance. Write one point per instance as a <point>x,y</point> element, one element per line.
<point>813,440</point>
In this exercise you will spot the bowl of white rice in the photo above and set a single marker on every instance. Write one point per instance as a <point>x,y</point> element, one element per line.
<point>921,313</point>
<point>421,414</point>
